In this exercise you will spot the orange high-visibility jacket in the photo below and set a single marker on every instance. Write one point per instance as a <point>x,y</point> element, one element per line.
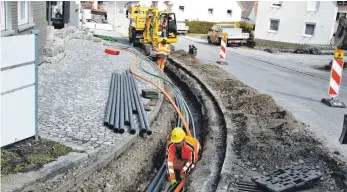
<point>189,152</point>
<point>164,49</point>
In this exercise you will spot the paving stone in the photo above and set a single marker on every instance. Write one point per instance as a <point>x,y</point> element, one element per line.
<point>74,91</point>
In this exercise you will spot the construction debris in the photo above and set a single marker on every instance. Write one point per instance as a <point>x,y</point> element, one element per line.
<point>150,94</point>
<point>288,179</point>
<point>111,51</point>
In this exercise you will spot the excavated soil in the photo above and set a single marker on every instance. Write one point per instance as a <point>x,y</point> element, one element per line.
<point>266,136</point>
<point>133,170</point>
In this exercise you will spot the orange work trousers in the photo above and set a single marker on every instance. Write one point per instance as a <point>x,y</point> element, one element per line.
<point>161,63</point>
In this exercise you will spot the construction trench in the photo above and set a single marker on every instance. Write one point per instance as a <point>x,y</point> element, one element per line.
<point>243,134</point>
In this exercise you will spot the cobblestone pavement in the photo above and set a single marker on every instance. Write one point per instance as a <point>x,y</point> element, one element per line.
<point>73,94</point>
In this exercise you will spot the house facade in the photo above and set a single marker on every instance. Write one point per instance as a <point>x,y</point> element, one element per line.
<point>304,22</point>
<point>20,17</point>
<point>221,11</point>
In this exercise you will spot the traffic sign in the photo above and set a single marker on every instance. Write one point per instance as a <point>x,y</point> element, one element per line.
<point>224,35</point>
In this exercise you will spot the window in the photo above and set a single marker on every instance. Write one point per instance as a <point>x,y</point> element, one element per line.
<point>276,3</point>
<point>210,11</point>
<point>23,12</point>
<point>181,8</point>
<point>229,12</point>
<point>339,15</point>
<point>274,24</point>
<point>2,16</point>
<point>313,5</point>
<point>309,29</point>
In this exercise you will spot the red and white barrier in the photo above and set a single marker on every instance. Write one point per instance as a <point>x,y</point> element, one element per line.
<point>223,50</point>
<point>335,77</point>
<point>335,81</point>
<point>223,45</point>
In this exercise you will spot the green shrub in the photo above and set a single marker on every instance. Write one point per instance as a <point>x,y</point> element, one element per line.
<point>202,27</point>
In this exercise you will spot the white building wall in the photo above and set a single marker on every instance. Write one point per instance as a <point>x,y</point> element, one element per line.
<point>198,10</point>
<point>292,16</point>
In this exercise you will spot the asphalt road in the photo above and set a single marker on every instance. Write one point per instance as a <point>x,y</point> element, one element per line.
<point>291,79</point>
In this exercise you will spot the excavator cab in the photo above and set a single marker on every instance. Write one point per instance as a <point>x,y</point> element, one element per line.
<point>159,25</point>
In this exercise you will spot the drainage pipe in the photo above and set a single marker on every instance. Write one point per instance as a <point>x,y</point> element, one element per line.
<point>154,182</point>
<point>116,123</point>
<point>132,97</point>
<point>114,100</point>
<point>138,109</point>
<point>109,103</point>
<point>143,112</point>
<point>125,89</point>
<point>130,111</point>
<point>121,113</point>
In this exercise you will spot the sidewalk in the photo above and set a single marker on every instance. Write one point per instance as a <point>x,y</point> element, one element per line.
<point>72,102</point>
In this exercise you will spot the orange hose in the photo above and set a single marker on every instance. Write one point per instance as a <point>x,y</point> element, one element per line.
<point>166,95</point>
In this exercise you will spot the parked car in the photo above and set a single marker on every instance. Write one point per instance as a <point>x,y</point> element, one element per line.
<point>235,35</point>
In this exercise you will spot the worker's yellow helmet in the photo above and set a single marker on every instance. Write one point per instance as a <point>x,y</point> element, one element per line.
<point>177,135</point>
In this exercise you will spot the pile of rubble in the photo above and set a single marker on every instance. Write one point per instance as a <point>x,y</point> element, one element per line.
<point>54,50</point>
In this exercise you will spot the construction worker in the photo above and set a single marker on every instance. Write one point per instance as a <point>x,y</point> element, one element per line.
<point>163,51</point>
<point>182,152</point>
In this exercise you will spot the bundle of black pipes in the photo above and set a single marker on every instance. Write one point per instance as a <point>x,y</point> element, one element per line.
<point>124,100</point>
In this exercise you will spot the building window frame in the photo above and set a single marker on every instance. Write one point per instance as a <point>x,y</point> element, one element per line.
<point>278,26</point>
<point>276,4</point>
<point>315,4</point>
<point>210,11</point>
<point>181,8</point>
<point>7,31</point>
<point>3,16</point>
<point>314,29</point>
<point>229,12</point>
<point>23,12</point>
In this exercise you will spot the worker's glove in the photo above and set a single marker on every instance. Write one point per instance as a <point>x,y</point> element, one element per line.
<point>182,176</point>
<point>173,182</point>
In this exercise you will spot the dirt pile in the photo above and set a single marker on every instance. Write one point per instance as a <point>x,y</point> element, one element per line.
<point>266,137</point>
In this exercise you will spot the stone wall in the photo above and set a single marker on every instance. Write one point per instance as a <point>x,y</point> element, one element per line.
<point>54,50</point>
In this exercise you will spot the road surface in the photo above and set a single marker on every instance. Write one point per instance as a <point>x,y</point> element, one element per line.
<point>291,79</point>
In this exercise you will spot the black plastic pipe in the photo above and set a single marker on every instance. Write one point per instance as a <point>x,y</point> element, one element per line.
<point>121,113</point>
<point>143,112</point>
<point>133,105</point>
<point>137,103</point>
<point>114,100</point>
<point>116,116</point>
<point>130,112</point>
<point>126,114</point>
<point>109,102</point>
<point>154,182</point>
<point>159,182</point>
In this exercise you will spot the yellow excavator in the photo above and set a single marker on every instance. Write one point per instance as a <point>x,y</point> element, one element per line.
<point>149,26</point>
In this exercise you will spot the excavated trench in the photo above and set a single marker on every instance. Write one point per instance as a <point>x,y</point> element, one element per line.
<point>210,128</point>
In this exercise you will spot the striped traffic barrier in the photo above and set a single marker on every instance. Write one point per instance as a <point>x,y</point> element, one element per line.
<point>335,80</point>
<point>223,49</point>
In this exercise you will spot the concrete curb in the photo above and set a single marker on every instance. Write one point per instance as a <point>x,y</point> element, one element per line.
<point>113,154</point>
<point>227,164</point>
